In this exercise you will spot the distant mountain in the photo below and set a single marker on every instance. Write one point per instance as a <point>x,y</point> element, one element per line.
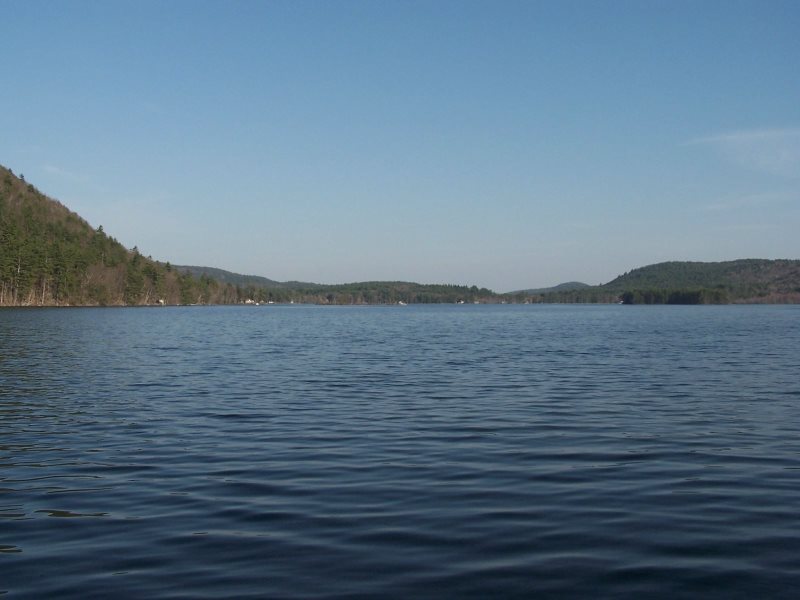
<point>365,292</point>
<point>50,256</point>
<point>778,275</point>
<point>393,292</point>
<point>561,287</point>
<point>244,280</point>
<point>740,281</point>
<point>745,280</point>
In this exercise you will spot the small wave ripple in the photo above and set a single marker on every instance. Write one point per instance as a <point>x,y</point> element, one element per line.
<point>419,452</point>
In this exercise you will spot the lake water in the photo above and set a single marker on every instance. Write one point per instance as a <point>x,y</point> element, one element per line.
<point>405,452</point>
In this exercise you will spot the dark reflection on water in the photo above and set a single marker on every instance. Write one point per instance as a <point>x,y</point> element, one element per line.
<point>400,452</point>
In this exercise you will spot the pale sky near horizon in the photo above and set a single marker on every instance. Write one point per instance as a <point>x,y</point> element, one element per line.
<point>501,144</point>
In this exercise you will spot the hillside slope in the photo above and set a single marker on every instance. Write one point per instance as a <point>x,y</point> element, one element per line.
<point>49,256</point>
<point>561,287</point>
<point>677,282</point>
<point>735,273</point>
<point>745,280</point>
<point>257,281</point>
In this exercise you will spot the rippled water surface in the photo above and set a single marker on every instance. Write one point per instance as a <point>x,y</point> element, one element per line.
<point>409,452</point>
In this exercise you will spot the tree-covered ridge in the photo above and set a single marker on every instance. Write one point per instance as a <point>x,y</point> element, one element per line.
<point>49,256</point>
<point>364,292</point>
<point>392,292</point>
<point>738,281</point>
<point>561,287</point>
<point>740,273</point>
<point>244,281</point>
<point>746,280</point>
<point>370,292</point>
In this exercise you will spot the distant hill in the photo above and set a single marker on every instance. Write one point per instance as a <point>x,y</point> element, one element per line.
<point>737,281</point>
<point>244,280</point>
<point>50,256</point>
<point>775,274</point>
<point>745,280</point>
<point>561,287</point>
<point>365,292</point>
<point>392,292</point>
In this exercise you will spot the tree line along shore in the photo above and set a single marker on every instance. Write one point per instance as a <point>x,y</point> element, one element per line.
<point>50,256</point>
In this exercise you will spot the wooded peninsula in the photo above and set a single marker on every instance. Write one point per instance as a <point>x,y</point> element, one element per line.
<point>50,256</point>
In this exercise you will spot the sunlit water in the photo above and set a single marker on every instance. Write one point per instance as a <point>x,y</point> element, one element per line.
<point>408,452</point>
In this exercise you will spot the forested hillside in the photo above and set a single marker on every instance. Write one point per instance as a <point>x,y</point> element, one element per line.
<point>365,292</point>
<point>49,256</point>
<point>238,279</point>
<point>392,292</point>
<point>747,280</point>
<point>737,281</point>
<point>569,286</point>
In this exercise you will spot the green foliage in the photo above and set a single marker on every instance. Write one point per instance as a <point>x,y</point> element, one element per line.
<point>50,256</point>
<point>749,280</point>
<point>392,292</point>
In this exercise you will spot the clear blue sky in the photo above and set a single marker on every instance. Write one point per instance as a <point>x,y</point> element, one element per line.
<point>501,144</point>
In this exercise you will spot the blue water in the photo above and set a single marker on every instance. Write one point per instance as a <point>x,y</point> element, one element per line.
<point>400,452</point>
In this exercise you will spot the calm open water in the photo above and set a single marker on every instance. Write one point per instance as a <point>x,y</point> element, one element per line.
<point>408,452</point>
